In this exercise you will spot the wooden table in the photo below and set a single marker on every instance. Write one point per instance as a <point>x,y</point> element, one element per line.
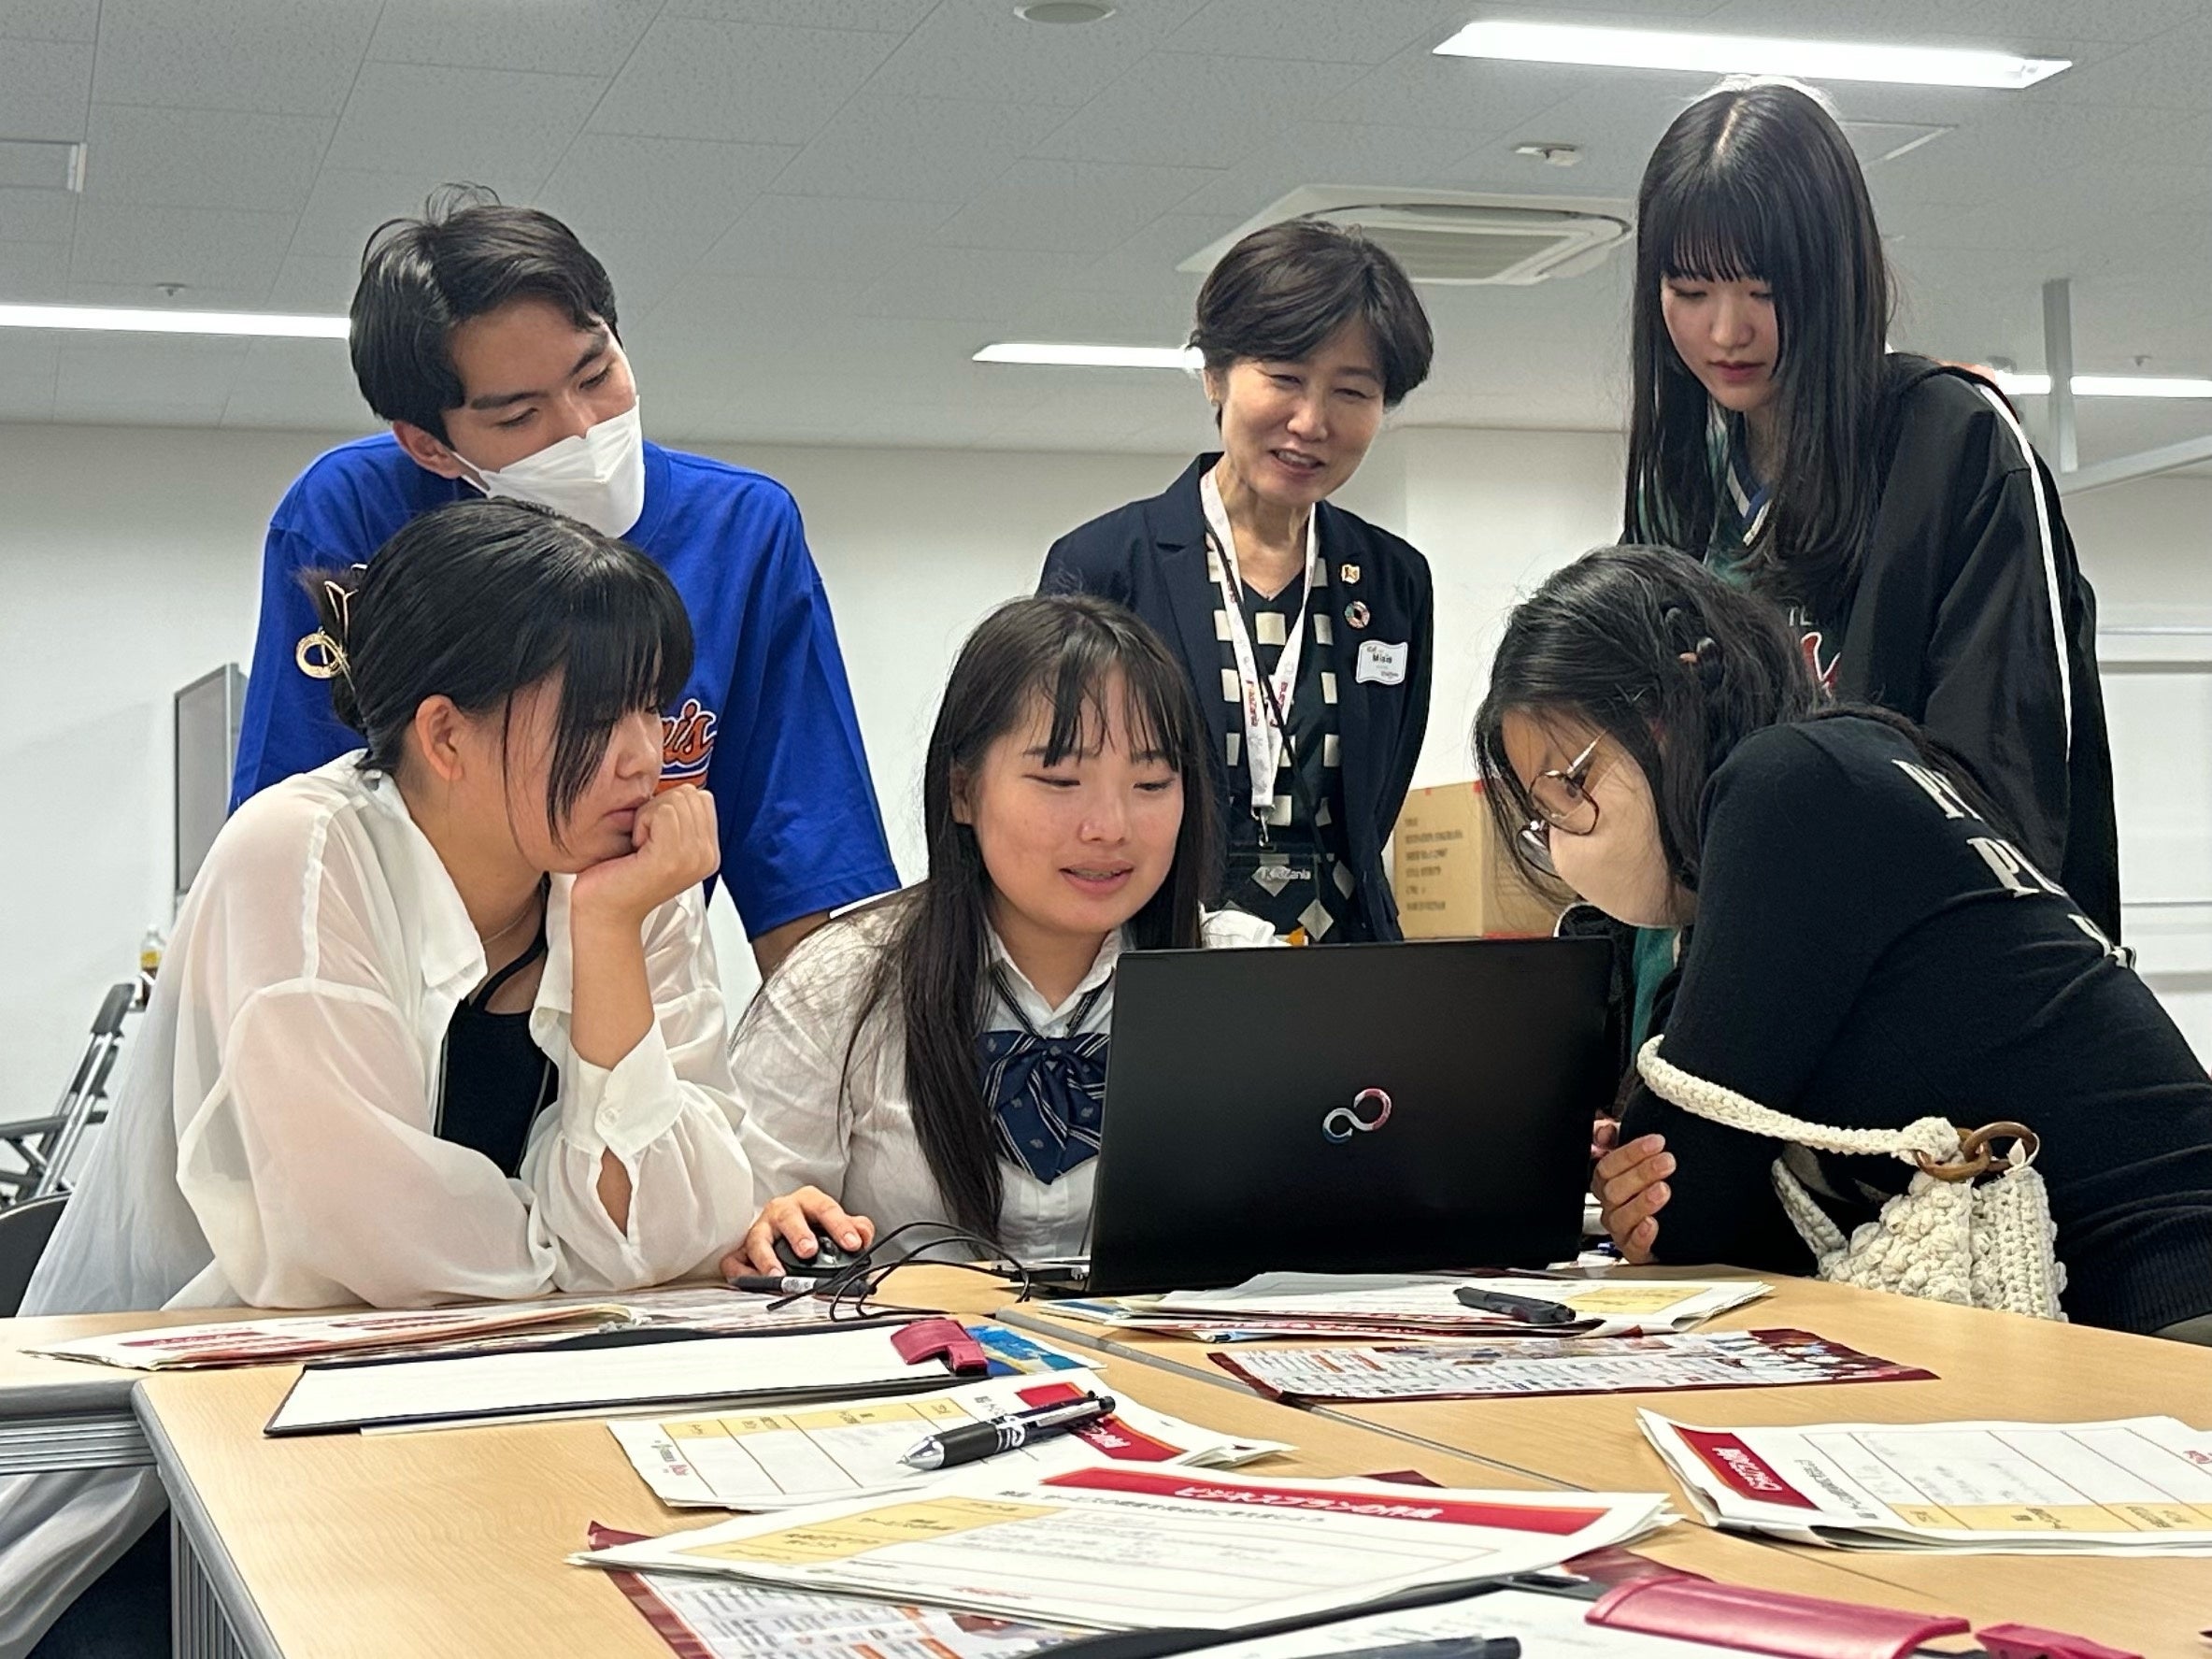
<point>455,1542</point>
<point>57,1415</point>
<point>1987,1366</point>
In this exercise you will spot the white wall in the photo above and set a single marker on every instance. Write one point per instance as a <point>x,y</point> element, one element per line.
<point>128,563</point>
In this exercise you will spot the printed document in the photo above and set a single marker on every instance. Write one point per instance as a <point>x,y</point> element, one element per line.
<point>772,1460</point>
<point>1122,1548</point>
<point>1608,1307</point>
<point>2134,1487</point>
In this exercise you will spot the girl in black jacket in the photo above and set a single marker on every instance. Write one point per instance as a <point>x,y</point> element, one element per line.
<point>1891,504</point>
<point>1866,942</point>
<point>1306,630</point>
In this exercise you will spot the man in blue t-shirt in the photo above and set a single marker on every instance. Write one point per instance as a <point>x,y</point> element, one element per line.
<point>486,335</point>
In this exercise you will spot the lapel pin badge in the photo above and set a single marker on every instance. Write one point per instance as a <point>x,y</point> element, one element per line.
<point>1356,614</point>
<point>1349,573</point>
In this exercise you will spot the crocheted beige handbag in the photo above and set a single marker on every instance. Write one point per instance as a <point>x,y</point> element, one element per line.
<point>1949,1237</point>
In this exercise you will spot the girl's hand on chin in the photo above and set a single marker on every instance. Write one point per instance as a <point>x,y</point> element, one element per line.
<point>673,845</point>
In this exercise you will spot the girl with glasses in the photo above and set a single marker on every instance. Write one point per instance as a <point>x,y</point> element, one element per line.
<point>1866,942</point>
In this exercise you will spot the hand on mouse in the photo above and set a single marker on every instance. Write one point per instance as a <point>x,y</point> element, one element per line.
<point>795,1218</point>
<point>1630,1182</point>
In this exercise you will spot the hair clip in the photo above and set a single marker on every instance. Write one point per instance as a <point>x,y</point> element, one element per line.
<point>321,657</point>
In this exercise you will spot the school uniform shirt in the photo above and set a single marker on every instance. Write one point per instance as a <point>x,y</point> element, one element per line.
<point>811,1119</point>
<point>765,720</point>
<point>1970,617</point>
<point>1867,953</point>
<point>1151,555</point>
<point>276,1141</point>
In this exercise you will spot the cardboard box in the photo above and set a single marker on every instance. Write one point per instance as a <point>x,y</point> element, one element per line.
<point>1453,878</point>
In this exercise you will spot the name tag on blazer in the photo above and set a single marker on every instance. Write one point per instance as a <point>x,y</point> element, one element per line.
<point>1383,663</point>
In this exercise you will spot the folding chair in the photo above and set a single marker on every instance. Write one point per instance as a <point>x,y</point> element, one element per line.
<point>46,1144</point>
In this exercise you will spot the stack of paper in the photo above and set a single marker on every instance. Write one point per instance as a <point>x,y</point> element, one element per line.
<point>1128,1549</point>
<point>762,1460</point>
<point>1373,1305</point>
<point>1558,1366</point>
<point>479,1324</point>
<point>2142,1486</point>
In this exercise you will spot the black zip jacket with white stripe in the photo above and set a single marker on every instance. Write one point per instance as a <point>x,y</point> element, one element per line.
<point>1970,616</point>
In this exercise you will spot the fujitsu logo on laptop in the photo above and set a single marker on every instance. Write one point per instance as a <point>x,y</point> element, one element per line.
<point>1370,1110</point>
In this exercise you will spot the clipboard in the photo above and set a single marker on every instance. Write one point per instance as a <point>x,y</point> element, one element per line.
<point>614,1372</point>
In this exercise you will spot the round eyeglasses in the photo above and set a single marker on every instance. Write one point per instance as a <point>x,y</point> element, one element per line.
<point>1563,803</point>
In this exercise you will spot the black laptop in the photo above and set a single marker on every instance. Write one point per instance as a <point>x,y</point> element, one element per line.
<point>1347,1108</point>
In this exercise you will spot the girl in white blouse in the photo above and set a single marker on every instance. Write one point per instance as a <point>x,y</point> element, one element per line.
<point>439,1019</point>
<point>940,1055</point>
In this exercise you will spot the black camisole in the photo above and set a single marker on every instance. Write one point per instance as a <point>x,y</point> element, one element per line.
<point>497,1080</point>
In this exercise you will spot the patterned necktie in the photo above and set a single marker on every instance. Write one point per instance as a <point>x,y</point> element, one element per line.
<point>1047,1094</point>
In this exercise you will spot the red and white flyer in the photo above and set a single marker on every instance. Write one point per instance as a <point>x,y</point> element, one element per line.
<point>1125,1548</point>
<point>2136,1486</point>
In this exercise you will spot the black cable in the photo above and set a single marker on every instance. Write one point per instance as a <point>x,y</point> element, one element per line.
<point>859,1284</point>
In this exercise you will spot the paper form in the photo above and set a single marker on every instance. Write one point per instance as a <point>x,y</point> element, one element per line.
<point>1558,1366</point>
<point>1549,1627</point>
<point>767,1460</point>
<point>735,1621</point>
<point>1607,1307</point>
<point>1118,1548</point>
<point>2136,1486</point>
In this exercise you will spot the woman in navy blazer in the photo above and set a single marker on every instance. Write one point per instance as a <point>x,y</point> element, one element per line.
<point>1307,631</point>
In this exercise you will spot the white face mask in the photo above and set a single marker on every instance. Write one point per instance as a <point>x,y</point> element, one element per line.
<point>597,477</point>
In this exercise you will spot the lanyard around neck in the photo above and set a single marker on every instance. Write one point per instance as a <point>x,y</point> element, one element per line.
<point>1264,703</point>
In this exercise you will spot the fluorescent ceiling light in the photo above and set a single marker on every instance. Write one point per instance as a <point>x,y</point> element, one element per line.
<point>1077,356</point>
<point>2107,385</point>
<point>1746,54</point>
<point>273,323</point>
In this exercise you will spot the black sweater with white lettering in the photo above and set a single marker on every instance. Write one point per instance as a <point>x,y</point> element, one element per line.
<point>1867,953</point>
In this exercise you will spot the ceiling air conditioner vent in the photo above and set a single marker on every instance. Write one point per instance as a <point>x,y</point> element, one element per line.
<point>1450,236</point>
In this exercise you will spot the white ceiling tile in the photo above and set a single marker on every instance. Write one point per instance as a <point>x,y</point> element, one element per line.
<point>1148,259</point>
<point>684,192</point>
<point>1326,31</point>
<point>37,215</point>
<point>34,273</point>
<point>2041,27</point>
<point>1069,207</point>
<point>1340,153</point>
<point>752,82</point>
<point>49,20</point>
<point>1158,318</point>
<point>980,50</point>
<point>987,286</point>
<point>330,406</point>
<point>317,362</point>
<point>848,239</point>
<point>1419,89</point>
<point>643,271</point>
<point>589,38</point>
<point>29,358</point>
<point>46,87</point>
<point>1181,109</point>
<point>116,370</point>
<point>279,55</point>
<point>896,16</point>
<point>314,286</point>
<point>824,235</point>
<point>209,249</point>
<point>469,125</point>
<point>899,148</point>
<point>203,158</point>
<point>2169,72</point>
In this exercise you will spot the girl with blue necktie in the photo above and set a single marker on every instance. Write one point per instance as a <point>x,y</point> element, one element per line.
<point>940,1055</point>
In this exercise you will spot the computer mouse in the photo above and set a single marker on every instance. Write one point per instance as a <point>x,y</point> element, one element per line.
<point>829,1257</point>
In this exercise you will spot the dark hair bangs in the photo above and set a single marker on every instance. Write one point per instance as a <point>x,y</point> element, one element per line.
<point>1154,703</point>
<point>624,647</point>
